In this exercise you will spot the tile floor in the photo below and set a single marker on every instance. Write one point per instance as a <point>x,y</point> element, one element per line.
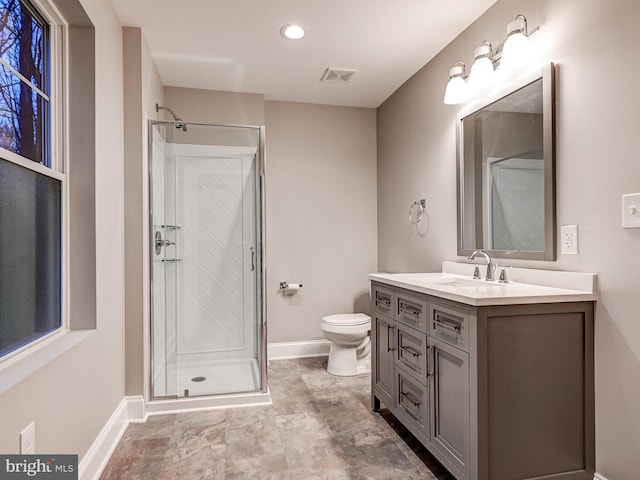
<point>319,427</point>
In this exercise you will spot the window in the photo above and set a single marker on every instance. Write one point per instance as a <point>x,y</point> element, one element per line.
<point>24,82</point>
<point>31,191</point>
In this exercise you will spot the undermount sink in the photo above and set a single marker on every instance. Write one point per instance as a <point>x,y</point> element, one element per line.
<point>471,287</point>
<point>454,282</point>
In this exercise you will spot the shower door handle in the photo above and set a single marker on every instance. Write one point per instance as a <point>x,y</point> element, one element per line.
<point>253,258</point>
<point>160,242</point>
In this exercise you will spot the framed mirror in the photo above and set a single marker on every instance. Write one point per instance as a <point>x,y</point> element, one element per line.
<point>506,171</point>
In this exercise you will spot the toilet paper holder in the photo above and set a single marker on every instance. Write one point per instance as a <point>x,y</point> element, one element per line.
<point>290,288</point>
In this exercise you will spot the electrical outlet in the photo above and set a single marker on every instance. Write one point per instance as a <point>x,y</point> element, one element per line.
<point>28,439</point>
<point>569,240</point>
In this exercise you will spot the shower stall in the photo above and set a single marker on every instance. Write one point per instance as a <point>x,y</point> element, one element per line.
<point>208,316</point>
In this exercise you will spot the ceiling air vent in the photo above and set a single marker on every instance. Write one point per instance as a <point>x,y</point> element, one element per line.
<point>338,75</point>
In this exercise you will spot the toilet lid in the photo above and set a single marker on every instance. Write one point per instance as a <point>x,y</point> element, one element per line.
<point>347,319</point>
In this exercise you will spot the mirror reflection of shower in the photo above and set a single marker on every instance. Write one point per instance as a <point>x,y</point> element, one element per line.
<point>180,123</point>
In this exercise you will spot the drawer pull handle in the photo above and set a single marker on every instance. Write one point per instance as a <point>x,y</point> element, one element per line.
<point>410,310</point>
<point>447,324</point>
<point>389,337</point>
<point>383,301</point>
<point>410,350</point>
<point>411,398</point>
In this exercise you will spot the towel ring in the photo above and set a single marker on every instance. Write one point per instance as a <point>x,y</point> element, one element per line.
<point>421,204</point>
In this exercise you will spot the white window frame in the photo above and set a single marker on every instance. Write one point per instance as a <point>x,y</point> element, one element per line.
<point>25,360</point>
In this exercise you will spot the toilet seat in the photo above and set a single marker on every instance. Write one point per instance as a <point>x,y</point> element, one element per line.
<point>347,319</point>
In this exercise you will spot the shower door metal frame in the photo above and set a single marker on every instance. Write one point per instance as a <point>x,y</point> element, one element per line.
<point>261,264</point>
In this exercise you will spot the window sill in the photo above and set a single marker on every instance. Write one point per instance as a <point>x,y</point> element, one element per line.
<point>16,369</point>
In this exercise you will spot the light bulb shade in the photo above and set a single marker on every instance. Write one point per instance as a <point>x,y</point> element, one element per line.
<point>456,92</point>
<point>516,52</point>
<point>482,74</point>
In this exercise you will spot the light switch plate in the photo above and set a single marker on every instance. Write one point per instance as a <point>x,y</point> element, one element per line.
<point>631,210</point>
<point>569,239</point>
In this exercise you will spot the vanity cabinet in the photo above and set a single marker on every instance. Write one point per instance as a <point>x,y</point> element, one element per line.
<point>495,392</point>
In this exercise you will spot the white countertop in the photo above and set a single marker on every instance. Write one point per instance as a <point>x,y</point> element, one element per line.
<point>525,285</point>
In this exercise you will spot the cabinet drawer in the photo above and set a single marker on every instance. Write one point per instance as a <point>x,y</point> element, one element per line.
<point>411,400</point>
<point>412,311</point>
<point>382,300</point>
<point>411,351</point>
<point>449,324</point>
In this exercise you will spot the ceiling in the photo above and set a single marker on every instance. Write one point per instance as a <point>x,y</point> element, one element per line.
<point>235,45</point>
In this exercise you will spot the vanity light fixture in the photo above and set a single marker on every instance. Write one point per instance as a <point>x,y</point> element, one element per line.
<point>292,32</point>
<point>482,73</point>
<point>457,90</point>
<point>515,52</point>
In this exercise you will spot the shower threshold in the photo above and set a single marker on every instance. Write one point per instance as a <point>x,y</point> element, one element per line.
<point>234,400</point>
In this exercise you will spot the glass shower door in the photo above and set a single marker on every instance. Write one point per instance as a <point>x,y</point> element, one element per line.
<point>207,326</point>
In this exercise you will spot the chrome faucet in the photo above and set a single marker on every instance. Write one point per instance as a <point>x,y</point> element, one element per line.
<point>490,265</point>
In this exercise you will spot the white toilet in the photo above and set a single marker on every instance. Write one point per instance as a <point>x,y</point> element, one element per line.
<point>350,352</point>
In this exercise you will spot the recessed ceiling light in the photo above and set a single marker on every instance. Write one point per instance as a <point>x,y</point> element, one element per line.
<point>292,32</point>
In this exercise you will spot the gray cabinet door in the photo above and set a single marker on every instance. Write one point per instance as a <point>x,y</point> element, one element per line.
<point>383,337</point>
<point>450,428</point>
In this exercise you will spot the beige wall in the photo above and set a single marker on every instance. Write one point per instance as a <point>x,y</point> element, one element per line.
<point>595,45</point>
<point>207,106</point>
<point>321,220</point>
<point>73,396</point>
<point>142,90</point>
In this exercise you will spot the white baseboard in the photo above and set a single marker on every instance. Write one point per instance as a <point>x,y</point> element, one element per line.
<point>96,458</point>
<point>310,348</point>
<point>136,409</point>
<point>597,476</point>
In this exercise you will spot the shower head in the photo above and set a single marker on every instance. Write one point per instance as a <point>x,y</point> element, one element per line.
<point>180,124</point>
